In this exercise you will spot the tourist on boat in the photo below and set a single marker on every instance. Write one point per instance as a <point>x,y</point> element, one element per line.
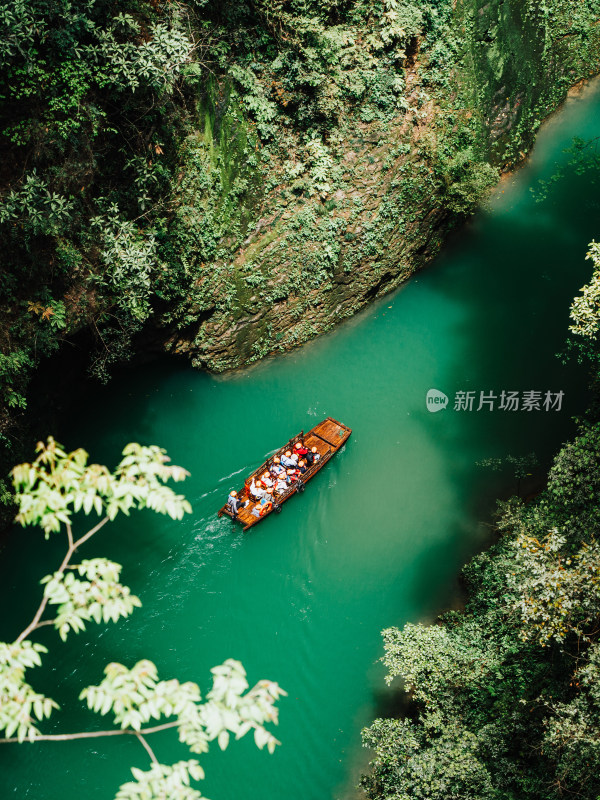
<point>266,480</point>
<point>256,490</point>
<point>282,483</point>
<point>300,449</point>
<point>267,501</point>
<point>302,466</point>
<point>312,456</point>
<point>276,468</point>
<point>234,502</point>
<point>289,461</point>
<point>264,505</point>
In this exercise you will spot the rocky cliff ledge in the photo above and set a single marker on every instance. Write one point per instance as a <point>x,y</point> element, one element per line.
<point>347,211</point>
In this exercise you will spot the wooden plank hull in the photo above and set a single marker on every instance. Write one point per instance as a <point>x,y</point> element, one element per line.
<point>328,437</point>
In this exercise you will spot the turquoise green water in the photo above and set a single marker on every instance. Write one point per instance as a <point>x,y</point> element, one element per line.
<point>378,537</point>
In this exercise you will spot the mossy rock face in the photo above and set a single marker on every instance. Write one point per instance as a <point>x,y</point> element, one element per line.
<point>525,56</point>
<point>300,181</point>
<point>276,190</point>
<point>293,258</point>
<point>508,53</point>
<point>309,263</point>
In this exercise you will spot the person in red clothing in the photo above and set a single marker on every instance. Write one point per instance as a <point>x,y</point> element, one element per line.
<point>300,449</point>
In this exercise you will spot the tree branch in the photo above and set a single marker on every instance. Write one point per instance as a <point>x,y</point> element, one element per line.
<point>35,622</point>
<point>72,547</point>
<point>84,538</point>
<point>147,747</point>
<point>45,622</point>
<point>67,737</point>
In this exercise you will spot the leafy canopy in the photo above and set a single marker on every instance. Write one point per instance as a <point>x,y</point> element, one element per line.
<point>50,491</point>
<point>58,484</point>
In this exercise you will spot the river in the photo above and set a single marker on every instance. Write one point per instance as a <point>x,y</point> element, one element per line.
<point>379,536</point>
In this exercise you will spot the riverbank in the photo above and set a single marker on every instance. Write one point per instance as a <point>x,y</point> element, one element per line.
<point>476,85</point>
<point>500,696</point>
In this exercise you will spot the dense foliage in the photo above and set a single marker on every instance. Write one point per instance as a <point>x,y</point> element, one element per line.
<point>505,695</point>
<point>87,122</point>
<point>112,204</point>
<point>50,493</point>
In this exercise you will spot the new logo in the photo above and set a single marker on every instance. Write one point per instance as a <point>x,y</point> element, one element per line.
<point>436,400</point>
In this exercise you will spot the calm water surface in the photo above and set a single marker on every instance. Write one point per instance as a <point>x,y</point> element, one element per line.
<point>378,537</point>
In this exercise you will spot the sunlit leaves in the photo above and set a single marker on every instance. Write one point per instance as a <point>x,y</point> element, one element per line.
<point>163,782</point>
<point>58,483</point>
<point>434,661</point>
<point>400,23</point>
<point>558,591</point>
<point>408,766</point>
<point>155,62</point>
<point>100,598</point>
<point>130,260</point>
<point>49,492</point>
<point>20,704</point>
<point>230,708</point>
<point>321,162</point>
<point>136,697</point>
<point>585,310</point>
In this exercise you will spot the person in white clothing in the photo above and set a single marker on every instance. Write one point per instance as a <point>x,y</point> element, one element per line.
<point>257,491</point>
<point>288,460</point>
<point>281,484</point>
<point>266,480</point>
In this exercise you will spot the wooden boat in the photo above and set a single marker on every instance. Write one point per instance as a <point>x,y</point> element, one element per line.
<point>328,437</point>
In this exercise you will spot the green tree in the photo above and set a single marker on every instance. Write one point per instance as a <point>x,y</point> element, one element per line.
<point>410,764</point>
<point>557,591</point>
<point>49,492</point>
<point>585,310</point>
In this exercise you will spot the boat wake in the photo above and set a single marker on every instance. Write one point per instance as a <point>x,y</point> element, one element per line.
<point>237,472</point>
